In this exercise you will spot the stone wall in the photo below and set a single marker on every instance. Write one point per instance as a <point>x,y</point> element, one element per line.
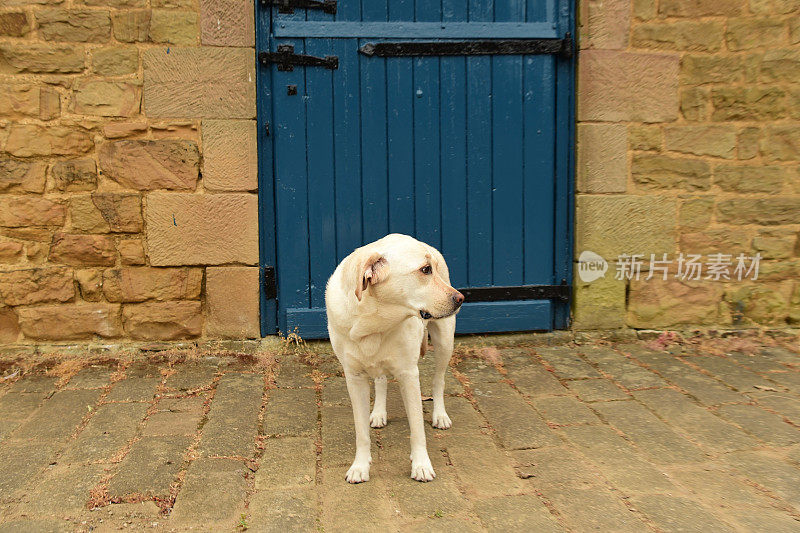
<point>128,206</point>
<point>688,142</point>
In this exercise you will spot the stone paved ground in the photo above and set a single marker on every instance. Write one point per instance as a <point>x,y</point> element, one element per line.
<point>565,438</point>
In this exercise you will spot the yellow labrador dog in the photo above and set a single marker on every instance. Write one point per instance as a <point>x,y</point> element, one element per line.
<point>382,301</point>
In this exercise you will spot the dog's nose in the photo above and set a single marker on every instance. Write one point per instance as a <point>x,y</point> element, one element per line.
<point>458,298</point>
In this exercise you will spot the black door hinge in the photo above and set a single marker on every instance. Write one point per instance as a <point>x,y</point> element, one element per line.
<point>493,47</point>
<point>288,6</point>
<point>270,285</point>
<point>522,292</point>
<point>286,59</point>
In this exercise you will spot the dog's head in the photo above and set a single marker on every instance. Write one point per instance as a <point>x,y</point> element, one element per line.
<point>407,274</point>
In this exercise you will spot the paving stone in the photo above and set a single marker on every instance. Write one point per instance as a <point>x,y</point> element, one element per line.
<point>287,462</point>
<point>440,497</point>
<point>650,434</point>
<point>135,389</point>
<point>617,460</point>
<point>621,369</point>
<point>715,484</point>
<point>673,513</point>
<point>63,491</point>
<point>20,461</point>
<point>16,407</point>
<point>427,367</point>
<point>213,494</point>
<point>782,354</point>
<point>59,416</point>
<point>766,426</point>
<point>482,467</point>
<point>479,371</point>
<point>343,504</point>
<point>435,524</point>
<point>770,472</point>
<point>278,511</point>
<point>782,404</point>
<point>691,419</point>
<point>706,389</point>
<point>338,437</point>
<point>334,392</point>
<point>109,429</point>
<point>566,363</point>
<point>597,390</point>
<point>764,519</point>
<point>760,362</point>
<point>34,383</point>
<point>790,380</point>
<point>555,467</point>
<point>529,375</point>
<point>729,372</point>
<point>150,466</point>
<point>517,424</point>
<point>175,419</point>
<point>192,376</point>
<point>291,412</point>
<point>565,411</point>
<point>293,373</point>
<point>593,509</point>
<point>522,512</point>
<point>464,416</point>
<point>37,526</point>
<point>93,377</point>
<point>233,419</point>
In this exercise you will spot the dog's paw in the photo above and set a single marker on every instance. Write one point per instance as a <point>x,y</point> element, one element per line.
<point>358,473</point>
<point>377,420</point>
<point>422,469</point>
<point>440,420</point>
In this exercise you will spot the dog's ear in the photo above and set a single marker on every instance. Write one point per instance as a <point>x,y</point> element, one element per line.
<point>370,271</point>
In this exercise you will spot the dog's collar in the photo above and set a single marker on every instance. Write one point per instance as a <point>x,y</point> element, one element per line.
<point>425,315</point>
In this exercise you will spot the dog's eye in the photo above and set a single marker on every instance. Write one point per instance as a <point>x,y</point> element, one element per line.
<point>426,269</point>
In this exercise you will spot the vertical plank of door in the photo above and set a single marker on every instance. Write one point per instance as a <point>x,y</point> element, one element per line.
<point>539,153</point>
<point>291,186</point>
<point>374,186</point>
<point>453,157</point>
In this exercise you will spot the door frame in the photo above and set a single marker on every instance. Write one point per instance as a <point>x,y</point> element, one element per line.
<point>563,224</point>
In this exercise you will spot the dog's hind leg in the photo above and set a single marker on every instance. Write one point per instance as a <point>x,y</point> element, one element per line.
<point>441,332</point>
<point>358,387</point>
<point>378,417</point>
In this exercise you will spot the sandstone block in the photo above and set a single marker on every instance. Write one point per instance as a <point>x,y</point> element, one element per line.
<point>199,82</point>
<point>117,4</point>
<point>689,35</point>
<point>115,60</point>
<point>14,24</point>
<point>77,25</point>
<point>617,224</point>
<point>36,285</point>
<point>9,325</point>
<point>227,22</point>
<point>232,302</point>
<point>747,103</point>
<point>163,320</point>
<point>776,243</point>
<point>700,8</point>
<point>117,130</point>
<point>106,98</point>
<point>698,69</point>
<point>695,213</point>
<point>22,176</point>
<point>143,283</point>
<point>174,27</point>
<point>148,165</point>
<point>210,229</point>
<point>90,284</point>
<point>663,304</point>
<point>605,25</point>
<point>131,252</point>
<point>25,100</point>
<point>84,216</point>
<point>131,26</point>
<point>599,304</point>
<point>625,86</point>
<point>750,179</point>
<point>766,7</point>
<point>230,155</point>
<point>26,140</point>
<point>82,250</point>
<point>794,306</point>
<point>717,141</point>
<point>782,143</point>
<point>41,58</point>
<point>694,103</point>
<point>29,233</point>
<point>747,33</point>
<point>122,212</point>
<point>794,30</point>
<point>759,303</point>
<point>655,171</point>
<point>36,252</point>
<point>21,211</point>
<point>747,142</point>
<point>74,175</point>
<point>764,211</point>
<point>644,9</point>
<point>644,138</point>
<point>714,240</point>
<point>70,322</point>
<point>602,164</point>
<point>10,252</point>
<point>780,65</point>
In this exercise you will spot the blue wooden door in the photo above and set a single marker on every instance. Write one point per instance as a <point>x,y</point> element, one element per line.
<point>469,153</point>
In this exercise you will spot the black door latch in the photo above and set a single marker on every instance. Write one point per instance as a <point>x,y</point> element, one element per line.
<point>286,59</point>
<point>288,6</point>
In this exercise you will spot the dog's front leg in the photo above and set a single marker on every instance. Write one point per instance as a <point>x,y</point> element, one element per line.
<point>358,387</point>
<point>421,467</point>
<point>378,417</point>
<point>441,332</point>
